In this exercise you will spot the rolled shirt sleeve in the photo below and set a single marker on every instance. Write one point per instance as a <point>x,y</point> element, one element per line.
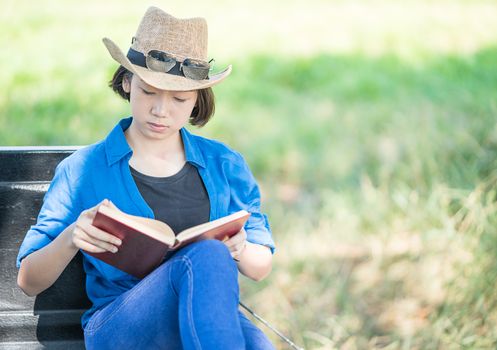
<point>245,194</point>
<point>58,211</point>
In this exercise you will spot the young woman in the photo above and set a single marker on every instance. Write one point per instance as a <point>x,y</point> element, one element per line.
<point>150,165</point>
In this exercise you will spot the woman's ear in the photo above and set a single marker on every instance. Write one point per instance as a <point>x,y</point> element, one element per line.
<point>126,84</point>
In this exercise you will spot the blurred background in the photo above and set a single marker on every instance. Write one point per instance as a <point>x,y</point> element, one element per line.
<point>370,125</point>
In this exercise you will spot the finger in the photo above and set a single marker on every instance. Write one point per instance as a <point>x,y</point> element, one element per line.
<point>101,244</point>
<point>235,250</point>
<point>229,243</point>
<point>240,248</point>
<point>233,245</point>
<point>236,255</point>
<point>85,237</point>
<point>87,246</point>
<point>98,234</point>
<point>236,239</point>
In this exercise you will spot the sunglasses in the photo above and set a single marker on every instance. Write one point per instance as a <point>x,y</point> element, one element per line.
<point>160,61</point>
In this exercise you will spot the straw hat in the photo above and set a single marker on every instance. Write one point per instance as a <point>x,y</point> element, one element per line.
<point>182,38</point>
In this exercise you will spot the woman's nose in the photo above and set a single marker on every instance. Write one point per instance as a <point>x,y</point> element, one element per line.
<point>160,107</point>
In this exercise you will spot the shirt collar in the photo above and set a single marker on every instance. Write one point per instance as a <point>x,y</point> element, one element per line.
<point>193,153</point>
<point>117,147</point>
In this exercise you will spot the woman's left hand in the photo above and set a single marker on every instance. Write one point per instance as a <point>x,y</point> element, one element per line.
<point>237,243</point>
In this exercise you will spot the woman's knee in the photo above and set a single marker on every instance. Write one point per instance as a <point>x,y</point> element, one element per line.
<point>211,249</point>
<point>207,260</point>
<point>210,254</point>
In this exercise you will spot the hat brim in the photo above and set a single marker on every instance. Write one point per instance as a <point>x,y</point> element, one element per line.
<point>163,81</point>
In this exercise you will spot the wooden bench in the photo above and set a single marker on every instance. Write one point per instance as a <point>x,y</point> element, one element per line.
<point>52,319</point>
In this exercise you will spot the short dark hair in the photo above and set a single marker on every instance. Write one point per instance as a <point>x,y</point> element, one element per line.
<point>201,113</point>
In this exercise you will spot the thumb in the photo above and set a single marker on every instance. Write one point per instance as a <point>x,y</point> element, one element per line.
<point>110,204</point>
<point>95,208</point>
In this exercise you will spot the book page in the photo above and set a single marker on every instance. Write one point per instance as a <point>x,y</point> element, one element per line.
<point>216,229</point>
<point>151,227</point>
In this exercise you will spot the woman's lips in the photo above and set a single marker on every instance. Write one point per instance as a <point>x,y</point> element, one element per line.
<point>157,127</point>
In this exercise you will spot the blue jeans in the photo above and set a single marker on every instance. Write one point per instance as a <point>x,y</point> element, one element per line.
<point>189,302</point>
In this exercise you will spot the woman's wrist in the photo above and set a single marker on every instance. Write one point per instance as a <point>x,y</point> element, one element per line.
<point>255,261</point>
<point>67,236</point>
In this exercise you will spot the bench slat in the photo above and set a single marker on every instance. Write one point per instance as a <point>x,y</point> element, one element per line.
<point>31,163</point>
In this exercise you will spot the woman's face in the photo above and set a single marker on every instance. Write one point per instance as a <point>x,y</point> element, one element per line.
<point>158,113</point>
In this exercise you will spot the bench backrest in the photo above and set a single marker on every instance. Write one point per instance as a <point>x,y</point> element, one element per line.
<point>51,319</point>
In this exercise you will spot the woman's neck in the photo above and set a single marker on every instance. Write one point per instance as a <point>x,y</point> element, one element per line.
<point>160,158</point>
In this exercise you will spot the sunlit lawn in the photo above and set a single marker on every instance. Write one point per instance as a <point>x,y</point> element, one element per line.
<point>370,125</point>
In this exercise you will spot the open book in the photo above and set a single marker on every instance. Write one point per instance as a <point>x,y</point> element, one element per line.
<point>145,241</point>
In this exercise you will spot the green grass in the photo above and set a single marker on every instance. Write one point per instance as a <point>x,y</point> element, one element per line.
<point>370,126</point>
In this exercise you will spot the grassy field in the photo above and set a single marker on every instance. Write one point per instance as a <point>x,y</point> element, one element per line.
<point>370,125</point>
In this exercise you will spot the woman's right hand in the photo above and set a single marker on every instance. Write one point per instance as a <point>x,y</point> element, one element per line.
<point>90,238</point>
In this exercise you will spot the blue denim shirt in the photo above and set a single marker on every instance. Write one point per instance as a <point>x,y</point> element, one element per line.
<point>101,171</point>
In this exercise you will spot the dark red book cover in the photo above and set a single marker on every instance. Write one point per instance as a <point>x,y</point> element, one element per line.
<point>138,255</point>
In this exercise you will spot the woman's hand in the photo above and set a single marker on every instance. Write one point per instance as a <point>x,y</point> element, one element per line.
<point>253,260</point>
<point>90,238</point>
<point>237,243</point>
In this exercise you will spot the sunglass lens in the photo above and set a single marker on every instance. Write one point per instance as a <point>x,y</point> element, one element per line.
<point>195,70</point>
<point>159,61</point>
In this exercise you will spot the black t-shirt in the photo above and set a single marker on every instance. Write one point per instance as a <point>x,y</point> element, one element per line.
<point>179,200</point>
